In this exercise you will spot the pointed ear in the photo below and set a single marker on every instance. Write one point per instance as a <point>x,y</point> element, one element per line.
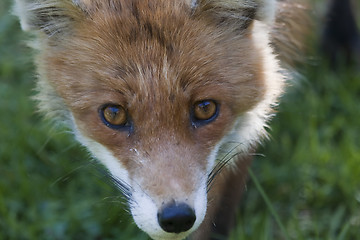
<point>49,16</point>
<point>236,14</point>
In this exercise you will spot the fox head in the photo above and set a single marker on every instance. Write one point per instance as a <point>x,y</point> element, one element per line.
<point>158,91</point>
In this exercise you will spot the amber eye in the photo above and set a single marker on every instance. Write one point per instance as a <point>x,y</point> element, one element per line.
<point>205,111</point>
<point>114,116</point>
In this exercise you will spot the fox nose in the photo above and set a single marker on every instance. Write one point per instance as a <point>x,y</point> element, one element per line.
<point>176,218</point>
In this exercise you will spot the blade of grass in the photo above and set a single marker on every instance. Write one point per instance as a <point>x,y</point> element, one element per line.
<point>344,231</point>
<point>269,204</point>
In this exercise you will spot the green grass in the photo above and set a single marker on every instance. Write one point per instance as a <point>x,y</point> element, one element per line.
<point>310,172</point>
<point>311,168</point>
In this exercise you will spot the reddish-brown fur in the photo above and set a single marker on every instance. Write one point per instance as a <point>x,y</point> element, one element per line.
<point>125,65</point>
<point>157,59</point>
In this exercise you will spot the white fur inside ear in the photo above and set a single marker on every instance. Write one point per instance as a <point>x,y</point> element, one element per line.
<point>49,16</point>
<point>194,3</point>
<point>266,10</point>
<point>21,10</point>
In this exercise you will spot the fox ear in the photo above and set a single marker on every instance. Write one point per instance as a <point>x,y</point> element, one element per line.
<point>238,14</point>
<point>49,16</point>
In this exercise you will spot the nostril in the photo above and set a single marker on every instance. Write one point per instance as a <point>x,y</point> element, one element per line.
<point>176,218</point>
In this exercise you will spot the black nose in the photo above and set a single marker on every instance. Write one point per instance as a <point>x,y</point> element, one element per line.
<point>176,218</point>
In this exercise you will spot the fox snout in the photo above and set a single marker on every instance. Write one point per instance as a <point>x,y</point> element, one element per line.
<point>174,219</point>
<point>169,191</point>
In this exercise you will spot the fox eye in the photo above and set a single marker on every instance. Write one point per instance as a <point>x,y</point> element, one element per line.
<point>114,116</point>
<point>204,111</point>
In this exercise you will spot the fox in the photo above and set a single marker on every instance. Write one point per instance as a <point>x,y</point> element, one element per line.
<point>171,96</point>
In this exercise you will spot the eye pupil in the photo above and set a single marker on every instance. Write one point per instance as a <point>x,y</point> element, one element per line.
<point>114,115</point>
<point>205,110</point>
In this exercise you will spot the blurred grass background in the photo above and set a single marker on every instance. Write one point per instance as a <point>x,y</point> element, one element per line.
<point>50,188</point>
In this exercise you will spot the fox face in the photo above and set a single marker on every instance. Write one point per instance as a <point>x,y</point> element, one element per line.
<point>163,93</point>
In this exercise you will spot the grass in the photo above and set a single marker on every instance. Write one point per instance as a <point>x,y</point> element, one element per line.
<point>311,169</point>
<point>51,189</point>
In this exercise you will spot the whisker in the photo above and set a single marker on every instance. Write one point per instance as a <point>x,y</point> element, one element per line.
<point>68,175</point>
<point>113,199</point>
<point>107,177</point>
<point>124,188</point>
<point>218,168</point>
<point>256,154</point>
<point>221,165</point>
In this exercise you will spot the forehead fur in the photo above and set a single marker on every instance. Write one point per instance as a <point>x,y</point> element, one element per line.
<point>157,50</point>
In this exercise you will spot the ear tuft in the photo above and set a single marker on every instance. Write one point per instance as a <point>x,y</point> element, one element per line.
<point>49,16</point>
<point>237,13</point>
